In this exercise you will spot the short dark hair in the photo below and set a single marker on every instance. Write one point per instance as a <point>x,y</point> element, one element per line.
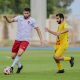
<point>27,9</point>
<point>60,15</point>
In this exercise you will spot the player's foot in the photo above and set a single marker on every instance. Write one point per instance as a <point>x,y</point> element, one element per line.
<point>72,61</point>
<point>11,70</point>
<point>61,71</point>
<point>19,69</point>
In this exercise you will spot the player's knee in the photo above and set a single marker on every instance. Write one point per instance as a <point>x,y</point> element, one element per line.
<point>56,58</point>
<point>13,57</point>
<point>19,54</point>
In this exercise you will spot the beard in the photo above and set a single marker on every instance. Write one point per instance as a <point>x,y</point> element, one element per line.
<point>26,17</point>
<point>59,22</point>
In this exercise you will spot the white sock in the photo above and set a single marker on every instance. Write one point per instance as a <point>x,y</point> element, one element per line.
<point>16,60</point>
<point>19,65</point>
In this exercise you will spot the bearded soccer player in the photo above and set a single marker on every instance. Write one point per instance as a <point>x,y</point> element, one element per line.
<point>61,42</point>
<point>25,24</point>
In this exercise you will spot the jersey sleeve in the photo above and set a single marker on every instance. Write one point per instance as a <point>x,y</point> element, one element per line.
<point>66,26</point>
<point>34,23</point>
<point>16,18</point>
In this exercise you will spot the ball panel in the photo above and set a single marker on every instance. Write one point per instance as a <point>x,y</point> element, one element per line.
<point>7,70</point>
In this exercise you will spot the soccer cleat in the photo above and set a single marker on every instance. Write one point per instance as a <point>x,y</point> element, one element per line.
<point>19,69</point>
<point>72,61</point>
<point>61,71</point>
<point>11,70</point>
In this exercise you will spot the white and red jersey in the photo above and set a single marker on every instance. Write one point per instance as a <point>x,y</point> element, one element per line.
<point>24,27</point>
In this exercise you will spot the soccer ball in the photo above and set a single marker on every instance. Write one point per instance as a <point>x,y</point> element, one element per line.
<point>7,70</point>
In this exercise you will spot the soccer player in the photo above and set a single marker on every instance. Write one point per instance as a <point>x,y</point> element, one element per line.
<point>61,42</point>
<point>25,24</point>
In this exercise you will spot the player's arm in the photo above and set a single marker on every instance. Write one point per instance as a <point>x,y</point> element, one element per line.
<point>52,32</point>
<point>49,42</point>
<point>64,31</point>
<point>9,20</point>
<point>39,34</point>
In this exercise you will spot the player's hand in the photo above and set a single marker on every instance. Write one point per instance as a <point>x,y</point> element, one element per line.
<point>46,29</point>
<point>58,33</point>
<point>5,17</point>
<point>46,42</point>
<point>42,42</point>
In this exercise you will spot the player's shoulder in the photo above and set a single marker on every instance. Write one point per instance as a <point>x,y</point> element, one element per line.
<point>66,25</point>
<point>64,22</point>
<point>19,16</point>
<point>32,19</point>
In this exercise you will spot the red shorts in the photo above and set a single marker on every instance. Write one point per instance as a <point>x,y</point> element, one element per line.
<point>19,44</point>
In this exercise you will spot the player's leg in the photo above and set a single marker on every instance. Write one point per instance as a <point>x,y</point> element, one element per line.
<point>58,54</point>
<point>15,49</point>
<point>16,60</point>
<point>59,65</point>
<point>70,59</point>
<point>22,49</point>
<point>13,57</point>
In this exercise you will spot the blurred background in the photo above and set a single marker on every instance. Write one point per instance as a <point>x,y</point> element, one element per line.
<point>44,12</point>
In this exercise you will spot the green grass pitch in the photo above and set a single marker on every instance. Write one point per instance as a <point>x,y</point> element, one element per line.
<point>39,65</point>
